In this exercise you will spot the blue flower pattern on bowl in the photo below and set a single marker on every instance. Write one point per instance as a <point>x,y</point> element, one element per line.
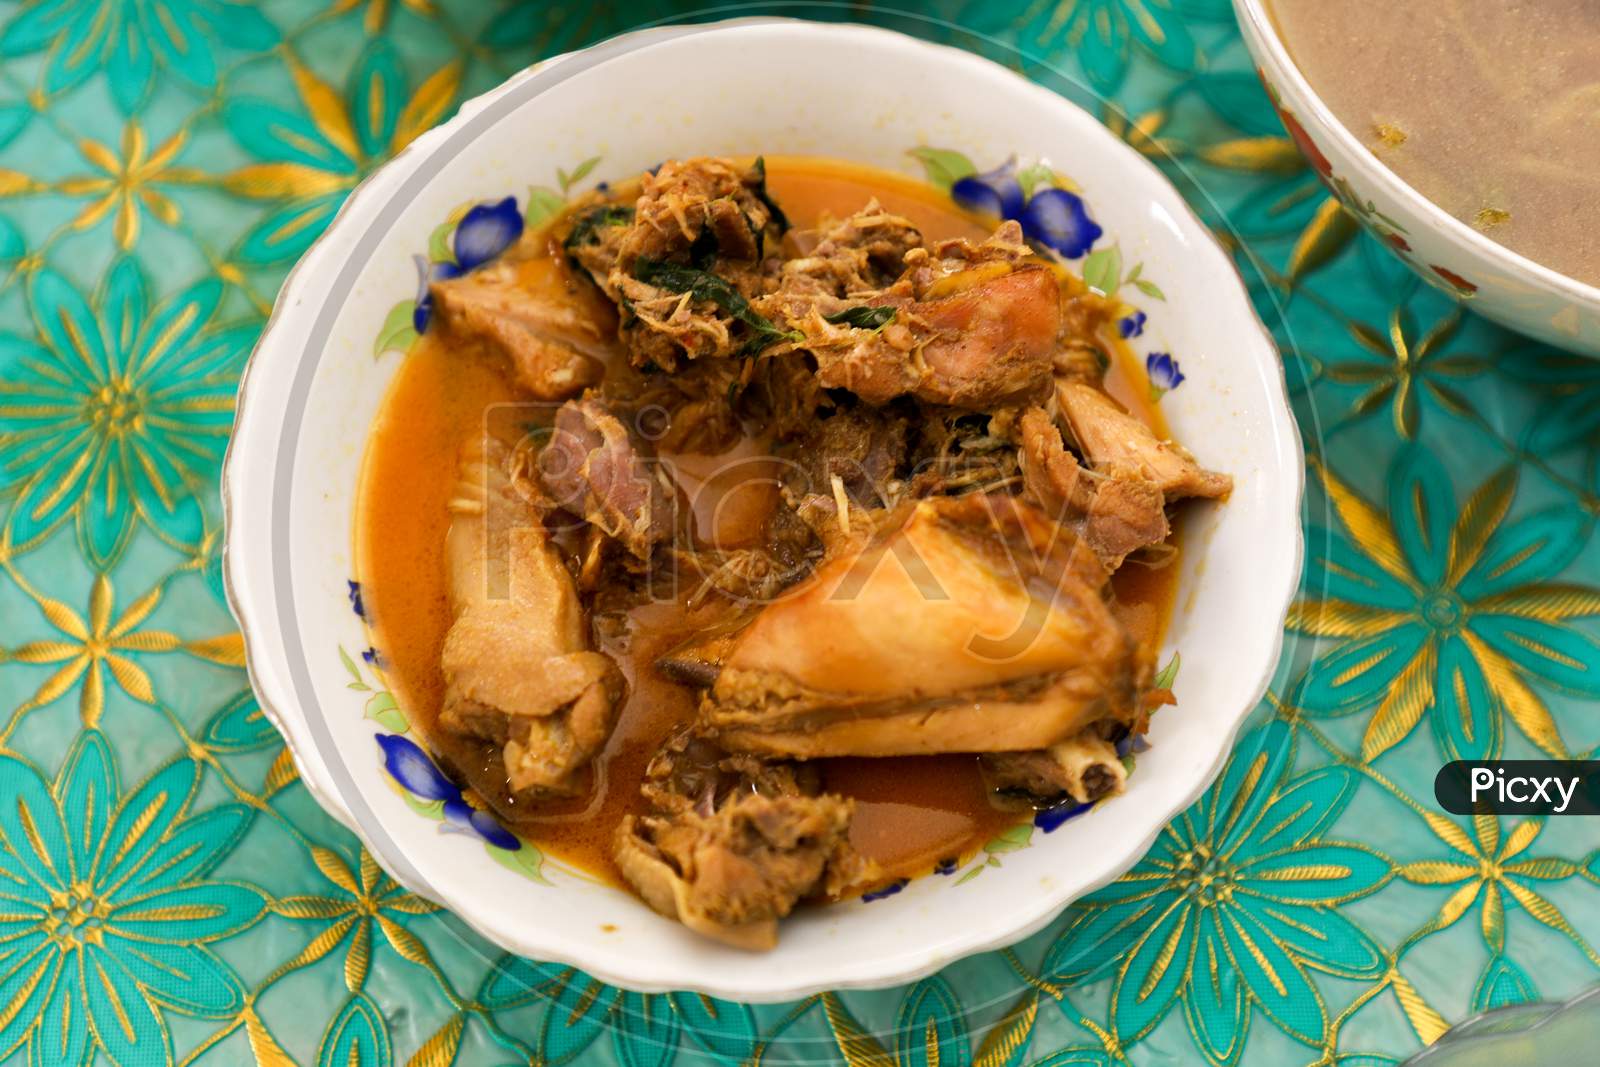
<point>414,769</point>
<point>1163,372</point>
<point>1051,216</point>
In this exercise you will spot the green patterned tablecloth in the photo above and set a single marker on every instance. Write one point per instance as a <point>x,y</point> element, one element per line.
<point>169,892</point>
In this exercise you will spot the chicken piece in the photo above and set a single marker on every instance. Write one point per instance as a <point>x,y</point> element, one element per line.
<point>973,328</point>
<point>846,471</point>
<point>517,666</point>
<point>952,264</point>
<point>1051,474</point>
<point>714,203</point>
<point>1084,767</point>
<point>555,337</point>
<point>688,264</point>
<point>731,844</point>
<point>1126,513</point>
<point>979,348</point>
<point>860,254</point>
<point>1109,436</point>
<point>595,467</point>
<point>976,625</point>
<point>1117,511</point>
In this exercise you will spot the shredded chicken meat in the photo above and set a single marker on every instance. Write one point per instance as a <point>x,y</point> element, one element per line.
<point>730,844</point>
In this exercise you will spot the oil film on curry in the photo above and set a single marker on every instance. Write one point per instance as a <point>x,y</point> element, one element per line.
<point>765,533</point>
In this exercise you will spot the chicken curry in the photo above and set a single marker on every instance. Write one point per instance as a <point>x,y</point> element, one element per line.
<point>755,534</point>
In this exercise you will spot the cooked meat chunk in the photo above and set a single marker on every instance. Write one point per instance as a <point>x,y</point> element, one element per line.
<point>698,401</point>
<point>732,844</point>
<point>979,347</point>
<point>1084,767</point>
<point>961,451</point>
<point>1126,513</point>
<point>556,340</point>
<point>976,625</point>
<point>987,344</point>
<point>1109,436</point>
<point>952,265</point>
<point>974,327</point>
<point>842,473</point>
<point>688,264</point>
<point>711,203</point>
<point>1117,511</point>
<point>694,772</point>
<point>863,448</point>
<point>594,466</point>
<point>1051,474</point>
<point>517,666</point>
<point>861,254</point>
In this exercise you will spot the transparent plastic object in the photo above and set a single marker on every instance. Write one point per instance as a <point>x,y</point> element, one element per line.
<point>1521,1035</point>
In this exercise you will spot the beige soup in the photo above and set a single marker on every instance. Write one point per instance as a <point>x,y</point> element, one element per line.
<point>1490,108</point>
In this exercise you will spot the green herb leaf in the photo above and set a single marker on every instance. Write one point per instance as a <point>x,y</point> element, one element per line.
<point>397,332</point>
<point>703,285</point>
<point>864,317</point>
<point>580,172</point>
<point>778,217</point>
<point>1102,270</point>
<point>1031,178</point>
<point>1169,673</point>
<point>943,166</point>
<point>586,230</point>
<point>703,249</point>
<point>543,202</point>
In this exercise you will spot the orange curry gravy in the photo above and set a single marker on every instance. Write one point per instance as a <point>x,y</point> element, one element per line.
<point>911,813</point>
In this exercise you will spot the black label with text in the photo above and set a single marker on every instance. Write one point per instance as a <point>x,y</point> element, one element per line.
<point>1519,787</point>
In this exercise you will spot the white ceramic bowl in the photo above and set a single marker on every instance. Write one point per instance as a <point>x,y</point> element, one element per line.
<point>1495,281</point>
<point>314,385</point>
